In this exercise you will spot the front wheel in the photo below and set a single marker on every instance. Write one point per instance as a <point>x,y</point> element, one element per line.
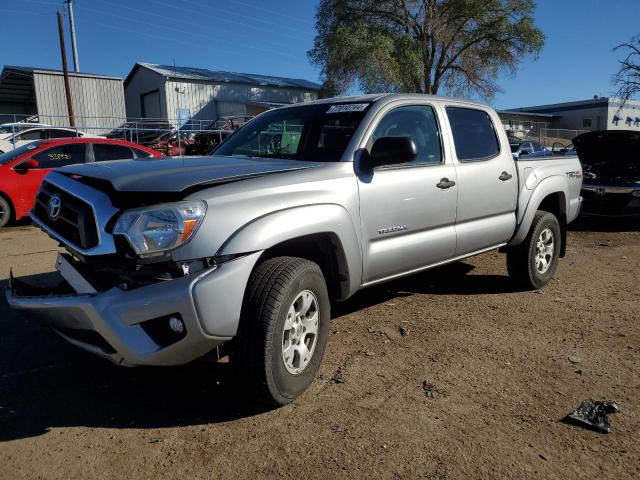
<point>533,263</point>
<point>5,212</point>
<point>283,329</point>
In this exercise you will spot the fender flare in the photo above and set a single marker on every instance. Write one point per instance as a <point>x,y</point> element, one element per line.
<point>548,186</point>
<point>276,227</point>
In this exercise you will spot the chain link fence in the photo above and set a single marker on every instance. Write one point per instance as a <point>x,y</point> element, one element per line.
<point>539,132</point>
<point>173,136</point>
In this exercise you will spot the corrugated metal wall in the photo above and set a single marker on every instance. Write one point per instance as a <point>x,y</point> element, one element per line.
<point>210,101</point>
<point>101,98</point>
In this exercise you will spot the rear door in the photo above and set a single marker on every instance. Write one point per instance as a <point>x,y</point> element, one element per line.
<point>407,221</point>
<point>487,179</point>
<point>103,152</point>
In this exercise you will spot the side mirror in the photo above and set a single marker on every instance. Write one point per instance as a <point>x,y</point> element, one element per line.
<point>390,150</point>
<point>27,165</point>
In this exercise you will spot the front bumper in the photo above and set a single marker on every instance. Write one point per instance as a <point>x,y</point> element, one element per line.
<point>112,324</point>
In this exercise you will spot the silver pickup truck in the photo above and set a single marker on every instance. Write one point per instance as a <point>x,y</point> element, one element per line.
<point>167,260</point>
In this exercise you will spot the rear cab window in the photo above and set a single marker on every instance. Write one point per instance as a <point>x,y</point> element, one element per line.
<point>474,135</point>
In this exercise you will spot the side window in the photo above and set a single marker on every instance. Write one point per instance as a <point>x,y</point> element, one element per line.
<point>526,148</point>
<point>30,135</point>
<point>417,122</point>
<point>103,152</point>
<point>473,134</point>
<point>60,133</point>
<point>61,156</point>
<point>140,153</point>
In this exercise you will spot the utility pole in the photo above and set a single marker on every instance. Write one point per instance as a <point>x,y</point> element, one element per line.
<point>65,72</point>
<point>74,44</point>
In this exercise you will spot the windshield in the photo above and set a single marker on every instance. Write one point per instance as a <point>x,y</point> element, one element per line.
<point>312,132</point>
<point>11,155</point>
<point>14,128</point>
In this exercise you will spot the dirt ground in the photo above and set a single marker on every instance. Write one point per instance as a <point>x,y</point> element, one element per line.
<point>495,361</point>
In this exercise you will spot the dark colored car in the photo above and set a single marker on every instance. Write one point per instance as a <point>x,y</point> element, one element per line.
<point>143,132</point>
<point>611,170</point>
<point>529,148</point>
<point>23,169</point>
<point>173,144</point>
<point>218,131</point>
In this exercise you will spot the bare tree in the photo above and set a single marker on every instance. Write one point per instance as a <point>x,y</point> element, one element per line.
<point>627,79</point>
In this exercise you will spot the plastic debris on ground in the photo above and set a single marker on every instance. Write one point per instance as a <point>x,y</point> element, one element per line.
<point>592,414</point>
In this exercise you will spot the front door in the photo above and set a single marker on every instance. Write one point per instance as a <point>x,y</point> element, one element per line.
<point>487,180</point>
<point>407,220</point>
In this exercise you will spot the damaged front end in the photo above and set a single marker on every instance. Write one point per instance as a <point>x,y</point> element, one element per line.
<point>131,307</point>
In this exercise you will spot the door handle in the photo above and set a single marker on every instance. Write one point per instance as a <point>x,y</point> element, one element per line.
<point>504,176</point>
<point>445,183</point>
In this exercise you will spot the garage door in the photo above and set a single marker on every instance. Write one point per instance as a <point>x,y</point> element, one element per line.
<point>151,105</point>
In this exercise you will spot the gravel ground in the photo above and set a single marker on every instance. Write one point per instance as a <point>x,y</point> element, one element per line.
<point>449,374</point>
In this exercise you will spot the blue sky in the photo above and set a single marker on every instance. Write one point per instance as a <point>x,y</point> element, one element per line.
<point>272,37</point>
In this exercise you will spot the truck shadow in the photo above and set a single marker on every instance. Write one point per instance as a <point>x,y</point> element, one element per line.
<point>46,383</point>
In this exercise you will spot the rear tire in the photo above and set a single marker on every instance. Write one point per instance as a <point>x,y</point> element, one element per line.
<point>283,329</point>
<point>533,263</point>
<point>6,213</point>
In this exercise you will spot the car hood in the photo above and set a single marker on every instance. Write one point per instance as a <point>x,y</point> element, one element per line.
<point>609,156</point>
<point>176,174</point>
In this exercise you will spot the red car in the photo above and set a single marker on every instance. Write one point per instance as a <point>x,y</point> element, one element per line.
<point>22,169</point>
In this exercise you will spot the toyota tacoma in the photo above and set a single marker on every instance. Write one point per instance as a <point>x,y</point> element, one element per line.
<point>245,251</point>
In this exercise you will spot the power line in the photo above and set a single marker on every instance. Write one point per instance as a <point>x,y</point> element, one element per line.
<point>249,17</point>
<point>157,36</point>
<point>183,32</point>
<point>284,15</point>
<point>235,22</point>
<point>189,22</point>
<point>25,12</point>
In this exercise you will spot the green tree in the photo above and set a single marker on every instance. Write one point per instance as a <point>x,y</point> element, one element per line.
<point>427,46</point>
<point>627,79</point>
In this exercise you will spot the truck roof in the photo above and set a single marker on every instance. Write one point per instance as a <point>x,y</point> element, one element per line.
<point>388,97</point>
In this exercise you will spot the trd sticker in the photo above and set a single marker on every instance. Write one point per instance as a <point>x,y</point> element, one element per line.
<point>577,174</point>
<point>395,228</point>
<point>348,107</point>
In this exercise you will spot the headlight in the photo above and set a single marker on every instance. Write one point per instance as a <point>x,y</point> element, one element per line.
<point>156,229</point>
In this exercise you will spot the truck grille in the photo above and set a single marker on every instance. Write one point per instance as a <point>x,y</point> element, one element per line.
<point>75,221</point>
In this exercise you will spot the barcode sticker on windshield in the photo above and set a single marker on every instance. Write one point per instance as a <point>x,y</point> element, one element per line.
<point>348,107</point>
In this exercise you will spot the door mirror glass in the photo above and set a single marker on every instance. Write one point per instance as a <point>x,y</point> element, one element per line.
<point>391,150</point>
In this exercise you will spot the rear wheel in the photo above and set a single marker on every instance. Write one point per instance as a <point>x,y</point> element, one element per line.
<point>5,212</point>
<point>283,329</point>
<point>533,263</point>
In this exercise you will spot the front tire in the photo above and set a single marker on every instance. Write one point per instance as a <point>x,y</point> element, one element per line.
<point>283,329</point>
<point>533,263</point>
<point>5,212</point>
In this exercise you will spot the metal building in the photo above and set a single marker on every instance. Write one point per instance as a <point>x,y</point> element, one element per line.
<point>97,100</point>
<point>181,94</point>
<point>599,113</point>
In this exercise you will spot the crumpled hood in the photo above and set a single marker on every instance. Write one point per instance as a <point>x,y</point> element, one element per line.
<point>176,174</point>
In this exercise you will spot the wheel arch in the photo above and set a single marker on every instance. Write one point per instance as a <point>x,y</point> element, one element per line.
<point>550,195</point>
<point>321,233</point>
